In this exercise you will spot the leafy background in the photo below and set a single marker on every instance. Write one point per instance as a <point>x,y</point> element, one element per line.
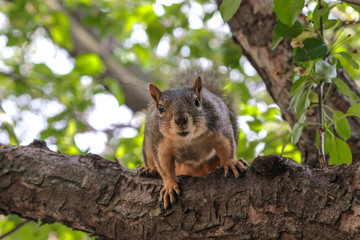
<point>59,97</point>
<point>319,44</point>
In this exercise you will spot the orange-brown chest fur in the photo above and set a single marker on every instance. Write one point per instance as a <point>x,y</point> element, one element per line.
<point>195,157</point>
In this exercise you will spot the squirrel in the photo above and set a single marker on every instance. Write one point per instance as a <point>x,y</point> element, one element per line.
<point>189,130</point>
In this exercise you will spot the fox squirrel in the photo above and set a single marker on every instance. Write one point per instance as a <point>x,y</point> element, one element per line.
<point>189,130</point>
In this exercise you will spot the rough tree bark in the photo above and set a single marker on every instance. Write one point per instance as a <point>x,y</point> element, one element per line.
<point>252,27</point>
<point>275,199</point>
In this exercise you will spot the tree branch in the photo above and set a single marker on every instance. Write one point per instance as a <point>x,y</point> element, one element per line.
<point>131,79</point>
<point>356,2</point>
<point>275,198</point>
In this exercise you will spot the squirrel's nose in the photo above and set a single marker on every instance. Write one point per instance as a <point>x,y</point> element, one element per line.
<point>180,119</point>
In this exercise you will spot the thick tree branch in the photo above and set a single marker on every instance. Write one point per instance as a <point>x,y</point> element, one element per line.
<point>252,26</point>
<point>275,199</point>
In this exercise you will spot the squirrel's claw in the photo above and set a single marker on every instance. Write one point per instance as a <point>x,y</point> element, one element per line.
<point>244,163</point>
<point>168,193</point>
<point>235,167</point>
<point>146,171</point>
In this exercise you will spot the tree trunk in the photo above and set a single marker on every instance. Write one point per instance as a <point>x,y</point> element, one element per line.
<point>275,199</point>
<point>252,27</point>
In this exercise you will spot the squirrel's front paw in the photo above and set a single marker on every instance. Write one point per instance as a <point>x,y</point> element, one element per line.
<point>168,192</point>
<point>233,166</point>
<point>243,162</point>
<point>146,171</point>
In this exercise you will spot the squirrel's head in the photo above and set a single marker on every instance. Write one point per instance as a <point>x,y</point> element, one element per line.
<point>180,110</point>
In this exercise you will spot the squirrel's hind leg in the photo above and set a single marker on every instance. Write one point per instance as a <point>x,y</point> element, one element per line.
<point>150,169</point>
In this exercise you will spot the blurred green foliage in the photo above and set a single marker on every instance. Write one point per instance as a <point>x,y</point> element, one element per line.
<point>32,230</point>
<point>48,91</point>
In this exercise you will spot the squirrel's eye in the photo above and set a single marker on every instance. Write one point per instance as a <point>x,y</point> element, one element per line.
<point>197,102</point>
<point>160,108</point>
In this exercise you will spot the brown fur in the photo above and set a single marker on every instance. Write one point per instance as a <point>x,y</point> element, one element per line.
<point>189,131</point>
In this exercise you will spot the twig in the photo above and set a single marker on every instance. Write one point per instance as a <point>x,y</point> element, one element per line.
<point>321,157</point>
<point>15,229</point>
<point>356,2</point>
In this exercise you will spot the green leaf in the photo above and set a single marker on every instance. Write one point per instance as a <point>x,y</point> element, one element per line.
<point>14,40</point>
<point>317,139</point>
<point>288,10</point>
<point>339,151</point>
<point>298,86</point>
<point>313,48</point>
<point>297,131</point>
<point>354,110</point>
<point>89,64</point>
<point>325,70</point>
<point>243,91</point>
<point>348,58</point>
<point>256,125</point>
<point>314,97</point>
<point>228,9</point>
<point>342,125</point>
<point>43,69</point>
<point>303,104</point>
<point>345,89</point>
<point>7,123</point>
<point>61,116</point>
<point>276,40</point>
<point>329,24</point>
<point>60,31</point>
<point>299,96</point>
<point>325,10</point>
<point>271,114</point>
<point>285,31</point>
<point>314,17</point>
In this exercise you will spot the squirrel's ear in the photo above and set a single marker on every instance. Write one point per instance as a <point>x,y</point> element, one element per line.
<point>155,93</point>
<point>197,85</point>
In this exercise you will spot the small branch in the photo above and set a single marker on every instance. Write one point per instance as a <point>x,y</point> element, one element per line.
<point>356,2</point>
<point>15,229</point>
<point>327,92</point>
<point>321,157</point>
